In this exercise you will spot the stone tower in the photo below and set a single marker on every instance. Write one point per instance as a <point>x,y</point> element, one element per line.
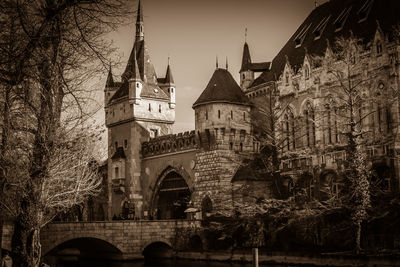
<point>138,108</point>
<point>223,127</point>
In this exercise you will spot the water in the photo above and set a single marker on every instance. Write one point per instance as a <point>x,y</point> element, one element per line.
<point>159,263</point>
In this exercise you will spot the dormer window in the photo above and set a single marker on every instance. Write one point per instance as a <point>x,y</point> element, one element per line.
<point>341,19</point>
<point>364,10</point>
<point>378,48</point>
<point>320,28</point>
<point>298,40</point>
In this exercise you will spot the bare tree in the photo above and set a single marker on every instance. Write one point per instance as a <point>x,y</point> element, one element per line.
<point>51,48</point>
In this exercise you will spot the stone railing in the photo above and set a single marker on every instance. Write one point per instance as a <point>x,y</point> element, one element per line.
<point>169,144</point>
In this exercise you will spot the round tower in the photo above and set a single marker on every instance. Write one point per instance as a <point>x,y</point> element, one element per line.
<point>222,115</point>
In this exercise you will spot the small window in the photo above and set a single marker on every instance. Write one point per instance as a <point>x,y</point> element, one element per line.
<point>231,145</point>
<point>137,85</point>
<point>116,172</point>
<point>231,114</point>
<point>116,145</point>
<point>125,143</point>
<point>172,90</point>
<point>219,114</point>
<point>149,107</point>
<point>307,72</point>
<point>287,78</point>
<point>159,108</point>
<point>244,116</point>
<point>243,76</point>
<point>168,90</point>
<point>206,115</point>
<point>241,147</point>
<point>378,48</point>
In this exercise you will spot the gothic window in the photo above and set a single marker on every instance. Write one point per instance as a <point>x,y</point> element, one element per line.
<point>116,172</point>
<point>219,114</point>
<point>310,125</point>
<point>241,147</point>
<point>293,130</point>
<point>159,108</point>
<point>287,132</point>
<point>125,143</point>
<point>336,126</point>
<point>307,72</point>
<point>149,107</point>
<point>116,145</point>
<point>172,90</point>
<point>329,123</point>
<point>244,116</point>
<point>231,114</point>
<point>378,48</point>
<point>287,78</point>
<point>243,76</point>
<point>206,114</point>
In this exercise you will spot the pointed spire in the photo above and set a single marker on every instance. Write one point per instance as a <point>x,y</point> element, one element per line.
<point>245,35</point>
<point>139,17</point>
<point>139,23</point>
<point>168,76</point>
<point>110,80</point>
<point>216,61</point>
<point>246,60</point>
<point>226,63</point>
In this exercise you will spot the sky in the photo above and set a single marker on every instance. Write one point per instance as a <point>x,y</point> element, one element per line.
<point>194,32</point>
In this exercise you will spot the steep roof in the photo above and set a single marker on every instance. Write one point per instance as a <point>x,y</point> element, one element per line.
<point>222,88</point>
<point>246,59</point>
<point>168,76</point>
<point>110,80</point>
<point>329,21</point>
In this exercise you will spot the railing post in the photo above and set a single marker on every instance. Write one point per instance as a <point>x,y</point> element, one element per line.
<point>255,257</point>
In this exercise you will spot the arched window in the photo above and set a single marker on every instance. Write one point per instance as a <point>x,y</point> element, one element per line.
<point>378,48</point>
<point>306,72</point>
<point>329,123</point>
<point>287,78</point>
<point>219,114</point>
<point>149,107</point>
<point>293,132</point>
<point>287,132</point>
<point>310,125</point>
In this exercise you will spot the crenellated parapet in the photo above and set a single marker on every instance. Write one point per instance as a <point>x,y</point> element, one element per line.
<point>169,144</point>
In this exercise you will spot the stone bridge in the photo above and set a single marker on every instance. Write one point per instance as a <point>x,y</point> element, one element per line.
<point>115,239</point>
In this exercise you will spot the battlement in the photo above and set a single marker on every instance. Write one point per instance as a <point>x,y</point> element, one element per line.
<point>169,144</point>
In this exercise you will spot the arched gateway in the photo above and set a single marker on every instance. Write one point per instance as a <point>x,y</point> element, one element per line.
<point>171,196</point>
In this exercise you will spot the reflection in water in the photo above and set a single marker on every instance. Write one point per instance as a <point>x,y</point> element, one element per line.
<point>157,263</point>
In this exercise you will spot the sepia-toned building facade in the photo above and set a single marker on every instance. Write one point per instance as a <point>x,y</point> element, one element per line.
<point>155,174</point>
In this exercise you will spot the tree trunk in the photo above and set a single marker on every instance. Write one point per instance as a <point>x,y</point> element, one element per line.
<point>26,244</point>
<point>255,257</point>
<point>358,237</point>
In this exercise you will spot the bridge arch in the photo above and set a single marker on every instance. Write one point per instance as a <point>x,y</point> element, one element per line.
<point>157,249</point>
<point>171,194</point>
<point>79,241</point>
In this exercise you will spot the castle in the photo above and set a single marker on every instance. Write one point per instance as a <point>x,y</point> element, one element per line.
<point>153,173</point>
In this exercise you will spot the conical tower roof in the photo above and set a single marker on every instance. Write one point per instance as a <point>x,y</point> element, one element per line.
<point>168,76</point>
<point>222,88</point>
<point>246,60</point>
<point>110,80</point>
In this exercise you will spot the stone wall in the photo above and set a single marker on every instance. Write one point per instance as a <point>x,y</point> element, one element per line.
<point>213,174</point>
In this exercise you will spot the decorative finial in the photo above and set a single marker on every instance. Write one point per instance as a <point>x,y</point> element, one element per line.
<point>216,61</point>
<point>245,35</point>
<point>315,3</point>
<point>168,59</point>
<point>226,63</point>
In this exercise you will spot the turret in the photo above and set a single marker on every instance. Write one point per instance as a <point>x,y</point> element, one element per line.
<point>246,74</point>
<point>222,114</point>
<point>110,88</point>
<point>169,82</point>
